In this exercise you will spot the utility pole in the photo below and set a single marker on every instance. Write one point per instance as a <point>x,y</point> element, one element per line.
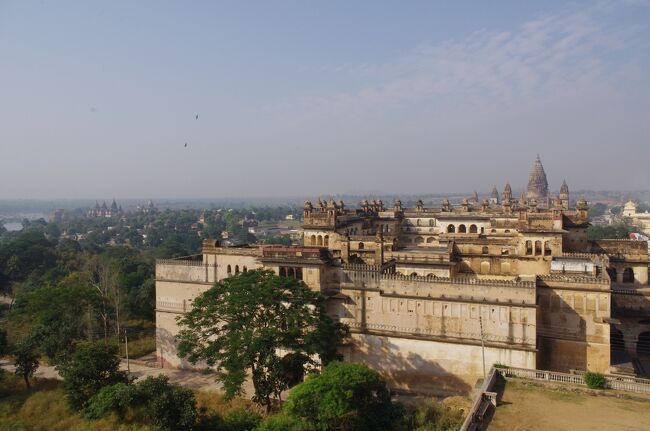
<point>480,321</point>
<point>126,347</point>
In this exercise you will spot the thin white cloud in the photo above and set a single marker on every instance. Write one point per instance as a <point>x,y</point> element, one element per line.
<point>547,55</point>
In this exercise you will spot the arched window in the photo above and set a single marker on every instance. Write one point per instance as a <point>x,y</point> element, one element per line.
<point>451,228</point>
<point>417,223</point>
<point>547,248</point>
<point>485,250</point>
<point>419,240</point>
<point>529,248</point>
<point>245,269</point>
<point>473,229</point>
<point>430,240</point>
<point>414,274</point>
<point>229,270</point>
<point>507,231</point>
<point>462,229</point>
<point>493,231</point>
<point>628,275</point>
<point>538,248</point>
<point>236,269</point>
<point>361,246</point>
<point>432,222</point>
<point>326,240</point>
<point>313,240</point>
<point>319,240</point>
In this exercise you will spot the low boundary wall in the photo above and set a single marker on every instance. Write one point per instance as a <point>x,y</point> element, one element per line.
<point>485,398</point>
<point>484,401</point>
<point>641,386</point>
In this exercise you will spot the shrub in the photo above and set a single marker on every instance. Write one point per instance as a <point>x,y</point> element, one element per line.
<point>595,380</point>
<point>169,407</point>
<point>498,365</point>
<point>115,398</point>
<point>431,415</point>
<point>92,366</point>
<point>239,419</point>
<point>344,396</point>
<point>283,422</point>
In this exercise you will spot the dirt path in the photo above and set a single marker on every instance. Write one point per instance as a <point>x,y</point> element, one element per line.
<point>189,379</point>
<point>536,408</point>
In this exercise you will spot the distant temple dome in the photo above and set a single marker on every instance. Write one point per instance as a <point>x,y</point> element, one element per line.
<point>538,184</point>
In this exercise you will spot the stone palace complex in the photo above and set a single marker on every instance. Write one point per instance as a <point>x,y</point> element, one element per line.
<point>422,288</point>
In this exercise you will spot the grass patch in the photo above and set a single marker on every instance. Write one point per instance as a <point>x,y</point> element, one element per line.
<point>556,394</point>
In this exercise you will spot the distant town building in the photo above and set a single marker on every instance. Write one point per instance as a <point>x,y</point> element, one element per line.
<point>58,215</point>
<point>642,220</point>
<point>105,211</point>
<point>149,208</point>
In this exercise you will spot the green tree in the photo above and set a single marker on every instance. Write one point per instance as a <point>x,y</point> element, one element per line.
<point>241,323</point>
<point>61,315</point>
<point>597,209</point>
<point>612,231</point>
<point>169,407</point>
<point>92,366</point>
<point>115,398</point>
<point>345,396</point>
<point>26,358</point>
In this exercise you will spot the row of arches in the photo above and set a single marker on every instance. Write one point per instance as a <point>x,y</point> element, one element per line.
<point>320,240</point>
<point>229,269</point>
<point>431,223</point>
<point>294,272</point>
<point>451,228</point>
<point>617,342</point>
<point>538,248</point>
<point>627,276</point>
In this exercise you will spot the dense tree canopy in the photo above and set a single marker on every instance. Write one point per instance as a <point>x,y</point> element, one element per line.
<point>242,322</point>
<point>345,396</point>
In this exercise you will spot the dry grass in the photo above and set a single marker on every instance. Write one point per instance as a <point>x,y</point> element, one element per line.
<point>215,404</point>
<point>534,406</point>
<point>44,408</point>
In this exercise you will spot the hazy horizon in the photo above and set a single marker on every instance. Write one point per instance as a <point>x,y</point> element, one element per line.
<point>298,99</point>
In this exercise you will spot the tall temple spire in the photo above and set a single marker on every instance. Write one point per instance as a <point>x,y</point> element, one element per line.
<point>538,184</point>
<point>494,199</point>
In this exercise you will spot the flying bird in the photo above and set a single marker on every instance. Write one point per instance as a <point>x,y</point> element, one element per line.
<point>197,116</point>
<point>186,144</point>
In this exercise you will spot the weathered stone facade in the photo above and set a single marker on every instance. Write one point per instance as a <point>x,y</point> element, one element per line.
<point>422,288</point>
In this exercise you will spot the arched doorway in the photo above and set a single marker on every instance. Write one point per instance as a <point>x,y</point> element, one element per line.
<point>616,340</point>
<point>643,344</point>
<point>451,228</point>
<point>628,275</point>
<point>462,229</point>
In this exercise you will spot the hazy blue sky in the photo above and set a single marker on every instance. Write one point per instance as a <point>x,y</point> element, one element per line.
<point>97,99</point>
